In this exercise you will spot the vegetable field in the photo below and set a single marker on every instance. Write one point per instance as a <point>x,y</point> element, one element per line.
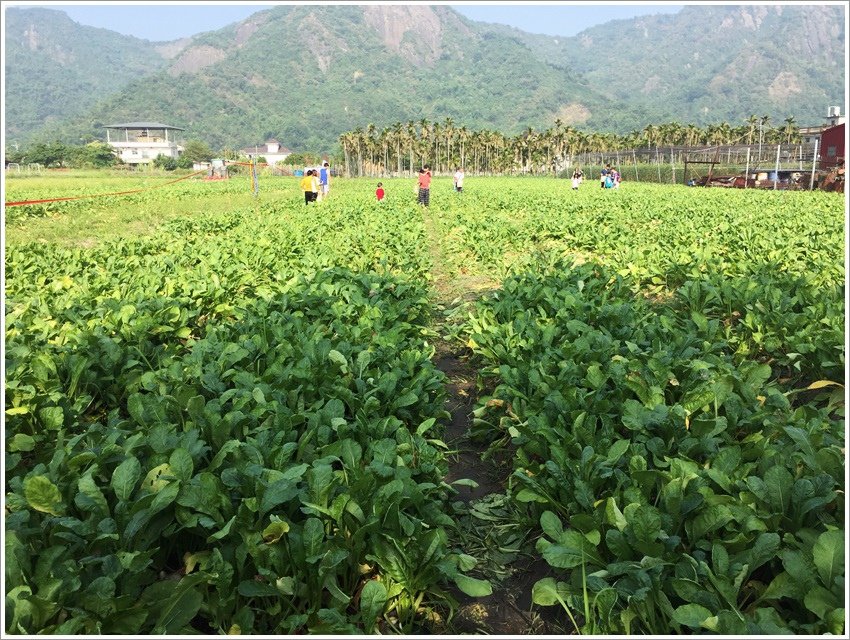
<point>225,415</point>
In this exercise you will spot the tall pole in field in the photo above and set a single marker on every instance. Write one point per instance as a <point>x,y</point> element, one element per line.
<point>673,164</point>
<point>747,171</point>
<point>255,182</point>
<point>658,164</point>
<point>776,170</point>
<point>814,164</point>
<point>634,158</point>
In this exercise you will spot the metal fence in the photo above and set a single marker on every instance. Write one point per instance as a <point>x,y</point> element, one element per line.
<point>679,164</point>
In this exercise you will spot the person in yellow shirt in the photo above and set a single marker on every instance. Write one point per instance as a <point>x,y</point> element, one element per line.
<point>310,186</point>
<point>316,186</point>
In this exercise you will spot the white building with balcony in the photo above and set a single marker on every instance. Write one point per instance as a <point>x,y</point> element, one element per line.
<point>142,142</point>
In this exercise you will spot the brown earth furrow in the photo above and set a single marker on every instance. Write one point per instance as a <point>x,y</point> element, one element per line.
<point>508,610</point>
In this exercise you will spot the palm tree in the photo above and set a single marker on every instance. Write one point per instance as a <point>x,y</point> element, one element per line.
<point>476,141</point>
<point>448,132</point>
<point>384,141</point>
<point>397,136</point>
<point>763,123</point>
<point>650,135</point>
<point>664,134</point>
<point>463,138</point>
<point>370,145</point>
<point>424,134</point>
<point>751,124</point>
<point>692,135</point>
<point>790,130</point>
<point>726,130</point>
<point>345,142</point>
<point>357,137</point>
<point>411,140</point>
<point>436,133</point>
<point>716,135</point>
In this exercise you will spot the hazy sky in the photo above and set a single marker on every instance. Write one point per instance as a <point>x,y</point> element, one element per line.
<point>167,21</point>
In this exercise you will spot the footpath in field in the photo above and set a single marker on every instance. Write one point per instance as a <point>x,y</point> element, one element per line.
<point>485,524</point>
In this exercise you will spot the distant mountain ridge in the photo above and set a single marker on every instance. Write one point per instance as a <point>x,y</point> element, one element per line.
<point>306,74</point>
<point>713,63</point>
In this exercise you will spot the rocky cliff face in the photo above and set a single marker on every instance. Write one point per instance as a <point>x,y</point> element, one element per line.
<point>420,23</point>
<point>819,34</point>
<point>34,40</point>
<point>194,59</point>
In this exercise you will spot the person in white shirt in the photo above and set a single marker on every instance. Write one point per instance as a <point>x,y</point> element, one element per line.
<point>577,176</point>
<point>459,180</point>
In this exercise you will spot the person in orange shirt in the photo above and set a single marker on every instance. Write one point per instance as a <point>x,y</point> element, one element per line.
<point>425,185</point>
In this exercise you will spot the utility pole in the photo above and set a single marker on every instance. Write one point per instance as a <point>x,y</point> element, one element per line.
<point>814,165</point>
<point>776,170</point>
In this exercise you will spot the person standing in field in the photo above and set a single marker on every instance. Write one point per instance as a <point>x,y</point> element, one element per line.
<point>325,180</point>
<point>577,176</point>
<point>615,178</point>
<point>603,175</point>
<point>459,180</point>
<point>379,192</point>
<point>425,185</point>
<point>310,186</point>
<point>315,185</point>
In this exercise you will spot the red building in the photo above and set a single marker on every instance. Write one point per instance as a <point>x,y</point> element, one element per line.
<point>832,146</point>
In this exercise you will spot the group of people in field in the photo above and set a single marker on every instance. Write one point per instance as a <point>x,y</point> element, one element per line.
<point>609,178</point>
<point>423,186</point>
<point>316,185</point>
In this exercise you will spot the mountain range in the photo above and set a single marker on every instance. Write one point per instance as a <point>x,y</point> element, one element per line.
<point>304,74</point>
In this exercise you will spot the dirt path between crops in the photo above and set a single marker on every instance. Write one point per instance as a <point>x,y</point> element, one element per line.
<point>508,610</point>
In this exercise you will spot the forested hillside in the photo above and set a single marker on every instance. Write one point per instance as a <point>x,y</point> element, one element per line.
<point>708,64</point>
<point>56,68</point>
<point>306,74</point>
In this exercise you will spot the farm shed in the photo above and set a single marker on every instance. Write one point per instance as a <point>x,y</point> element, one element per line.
<point>832,146</point>
<point>142,142</point>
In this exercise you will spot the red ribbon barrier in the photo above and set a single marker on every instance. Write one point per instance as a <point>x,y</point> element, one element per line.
<point>99,195</point>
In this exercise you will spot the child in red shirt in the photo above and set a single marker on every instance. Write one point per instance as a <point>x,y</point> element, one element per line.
<point>379,192</point>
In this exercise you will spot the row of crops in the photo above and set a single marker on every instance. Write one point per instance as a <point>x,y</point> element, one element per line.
<point>234,424</point>
<point>674,404</point>
<point>228,426</point>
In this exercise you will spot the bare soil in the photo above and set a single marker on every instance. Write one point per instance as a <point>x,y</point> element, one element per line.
<point>508,610</point>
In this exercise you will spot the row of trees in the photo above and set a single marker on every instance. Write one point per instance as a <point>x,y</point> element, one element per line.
<point>56,154</point>
<point>404,147</point>
<point>99,155</point>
